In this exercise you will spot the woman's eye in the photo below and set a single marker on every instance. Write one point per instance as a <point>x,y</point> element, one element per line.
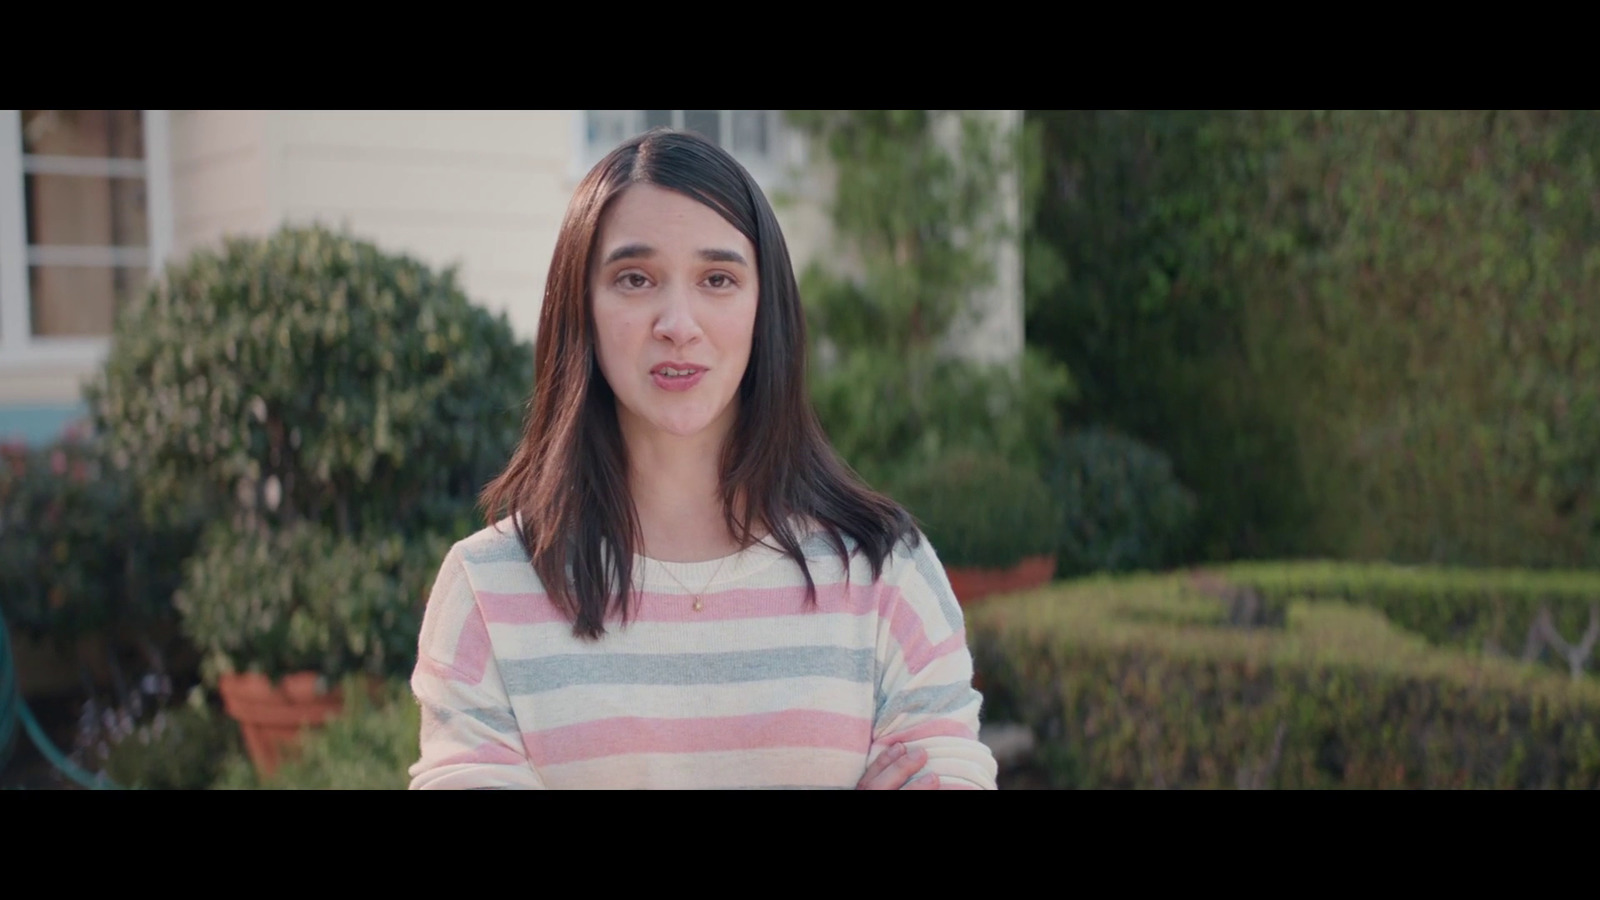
<point>720,280</point>
<point>634,280</point>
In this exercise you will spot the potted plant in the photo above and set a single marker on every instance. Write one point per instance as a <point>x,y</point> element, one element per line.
<point>991,521</point>
<point>283,617</point>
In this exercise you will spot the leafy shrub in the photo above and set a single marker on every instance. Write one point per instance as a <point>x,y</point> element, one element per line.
<point>370,746</point>
<point>980,510</point>
<point>1357,333</point>
<point>312,376</point>
<point>303,598</point>
<point>182,748</point>
<point>76,556</point>
<point>1121,505</point>
<point>337,408</point>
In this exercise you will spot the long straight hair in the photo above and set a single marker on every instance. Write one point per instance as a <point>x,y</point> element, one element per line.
<point>566,488</point>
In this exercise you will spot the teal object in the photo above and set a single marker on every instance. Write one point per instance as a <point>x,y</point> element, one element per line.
<point>38,424</point>
<point>14,712</point>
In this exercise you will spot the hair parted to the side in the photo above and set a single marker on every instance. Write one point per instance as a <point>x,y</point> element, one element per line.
<point>565,487</point>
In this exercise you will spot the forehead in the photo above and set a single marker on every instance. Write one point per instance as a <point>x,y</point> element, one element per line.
<point>667,222</point>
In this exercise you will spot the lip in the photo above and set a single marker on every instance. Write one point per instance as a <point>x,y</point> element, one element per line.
<point>677,383</point>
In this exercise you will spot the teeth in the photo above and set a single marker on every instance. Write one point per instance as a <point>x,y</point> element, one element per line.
<point>673,373</point>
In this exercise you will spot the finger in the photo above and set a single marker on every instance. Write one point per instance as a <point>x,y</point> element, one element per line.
<point>885,759</point>
<point>901,771</point>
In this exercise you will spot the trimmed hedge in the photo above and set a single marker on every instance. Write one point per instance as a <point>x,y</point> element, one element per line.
<point>1129,683</point>
<point>1495,611</point>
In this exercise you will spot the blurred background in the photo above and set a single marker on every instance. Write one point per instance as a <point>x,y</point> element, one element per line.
<point>1262,448</point>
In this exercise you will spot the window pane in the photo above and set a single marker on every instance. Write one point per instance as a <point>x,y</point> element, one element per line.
<point>657,118</point>
<point>706,121</point>
<point>80,301</point>
<point>115,133</point>
<point>607,127</point>
<point>750,131</point>
<point>74,209</point>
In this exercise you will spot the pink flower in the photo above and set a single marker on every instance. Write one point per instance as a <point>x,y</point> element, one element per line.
<point>58,462</point>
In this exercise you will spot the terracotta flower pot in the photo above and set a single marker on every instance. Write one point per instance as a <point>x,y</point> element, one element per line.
<point>972,584</point>
<point>272,717</point>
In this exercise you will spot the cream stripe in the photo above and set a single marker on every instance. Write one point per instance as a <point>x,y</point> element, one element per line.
<point>744,768</point>
<point>589,703</point>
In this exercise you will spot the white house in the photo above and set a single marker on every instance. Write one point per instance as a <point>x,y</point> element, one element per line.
<point>93,201</point>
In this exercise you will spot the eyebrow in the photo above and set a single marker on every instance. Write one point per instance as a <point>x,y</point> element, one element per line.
<point>645,251</point>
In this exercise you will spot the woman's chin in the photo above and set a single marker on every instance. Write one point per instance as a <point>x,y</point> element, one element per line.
<point>682,426</point>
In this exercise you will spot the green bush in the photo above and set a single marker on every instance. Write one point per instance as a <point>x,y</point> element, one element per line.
<point>304,598</point>
<point>336,407</point>
<point>1129,684</point>
<point>76,556</point>
<point>182,748</point>
<point>312,376</point>
<point>1357,334</point>
<point>888,413</point>
<point>370,746</point>
<point>913,212</point>
<point>1123,509</point>
<point>980,510</point>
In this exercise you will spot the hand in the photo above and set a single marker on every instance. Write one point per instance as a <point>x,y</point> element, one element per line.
<point>894,767</point>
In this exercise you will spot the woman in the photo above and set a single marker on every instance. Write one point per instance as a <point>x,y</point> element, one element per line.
<point>782,624</point>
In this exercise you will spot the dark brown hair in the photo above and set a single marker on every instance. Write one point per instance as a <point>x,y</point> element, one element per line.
<point>566,485</point>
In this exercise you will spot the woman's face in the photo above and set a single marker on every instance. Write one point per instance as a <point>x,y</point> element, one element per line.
<point>674,293</point>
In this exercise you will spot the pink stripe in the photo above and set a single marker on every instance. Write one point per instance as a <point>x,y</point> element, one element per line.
<point>535,608</point>
<point>485,754</point>
<point>927,653</point>
<point>473,648</point>
<point>438,670</point>
<point>906,626</point>
<point>623,735</point>
<point>931,728</point>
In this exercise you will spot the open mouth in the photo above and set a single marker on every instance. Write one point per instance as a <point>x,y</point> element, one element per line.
<point>676,377</point>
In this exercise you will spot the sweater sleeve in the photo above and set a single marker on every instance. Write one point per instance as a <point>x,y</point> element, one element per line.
<point>470,737</point>
<point>925,695</point>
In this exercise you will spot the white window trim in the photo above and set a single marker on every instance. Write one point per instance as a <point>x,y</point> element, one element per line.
<point>785,150</point>
<point>18,347</point>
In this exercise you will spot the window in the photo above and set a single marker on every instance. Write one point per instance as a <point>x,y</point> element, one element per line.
<point>756,137</point>
<point>83,223</point>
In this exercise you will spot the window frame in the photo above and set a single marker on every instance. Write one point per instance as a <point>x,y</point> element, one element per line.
<point>771,170</point>
<point>19,347</point>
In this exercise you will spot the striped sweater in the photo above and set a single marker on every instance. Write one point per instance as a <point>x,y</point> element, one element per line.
<point>753,691</point>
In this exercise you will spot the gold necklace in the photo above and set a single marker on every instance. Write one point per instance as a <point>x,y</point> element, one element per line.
<point>698,603</point>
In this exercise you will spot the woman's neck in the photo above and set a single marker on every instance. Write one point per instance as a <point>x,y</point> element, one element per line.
<point>676,488</point>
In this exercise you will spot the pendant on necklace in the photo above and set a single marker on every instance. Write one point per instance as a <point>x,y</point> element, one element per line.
<point>698,605</point>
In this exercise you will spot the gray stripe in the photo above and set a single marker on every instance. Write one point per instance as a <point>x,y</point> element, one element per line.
<point>817,545</point>
<point>939,583</point>
<point>939,700</point>
<point>502,548</point>
<point>532,676</point>
<point>500,720</point>
<point>439,714</point>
